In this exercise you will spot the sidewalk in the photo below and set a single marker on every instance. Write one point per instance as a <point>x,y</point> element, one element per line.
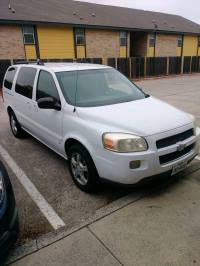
<point>160,229</point>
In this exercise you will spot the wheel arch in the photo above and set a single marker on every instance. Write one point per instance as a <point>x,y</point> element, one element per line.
<point>72,141</point>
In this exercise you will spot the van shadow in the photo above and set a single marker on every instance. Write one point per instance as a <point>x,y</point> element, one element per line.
<point>152,187</point>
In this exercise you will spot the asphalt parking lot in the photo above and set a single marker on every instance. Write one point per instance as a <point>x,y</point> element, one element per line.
<point>49,173</point>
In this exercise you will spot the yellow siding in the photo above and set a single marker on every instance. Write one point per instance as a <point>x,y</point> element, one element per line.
<point>198,51</point>
<point>80,51</point>
<point>179,50</point>
<point>30,51</point>
<point>190,45</point>
<point>123,51</point>
<point>150,52</point>
<point>55,42</point>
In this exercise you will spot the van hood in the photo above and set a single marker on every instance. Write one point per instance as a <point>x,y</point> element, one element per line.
<point>144,117</point>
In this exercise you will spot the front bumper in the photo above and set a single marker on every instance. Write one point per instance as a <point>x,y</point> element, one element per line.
<point>114,167</point>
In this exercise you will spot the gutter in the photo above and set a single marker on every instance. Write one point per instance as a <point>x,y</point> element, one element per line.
<point>89,26</point>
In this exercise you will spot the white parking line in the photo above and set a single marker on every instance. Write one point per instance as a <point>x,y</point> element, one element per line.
<point>52,217</point>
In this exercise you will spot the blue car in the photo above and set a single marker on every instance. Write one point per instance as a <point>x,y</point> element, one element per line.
<point>9,226</point>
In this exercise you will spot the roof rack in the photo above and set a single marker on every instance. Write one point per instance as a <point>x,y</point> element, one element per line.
<point>37,62</point>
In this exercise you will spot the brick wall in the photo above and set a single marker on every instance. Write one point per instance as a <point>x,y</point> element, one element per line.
<point>11,42</point>
<point>166,45</point>
<point>102,43</point>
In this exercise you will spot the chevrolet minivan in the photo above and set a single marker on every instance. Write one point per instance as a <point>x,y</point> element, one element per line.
<point>105,125</point>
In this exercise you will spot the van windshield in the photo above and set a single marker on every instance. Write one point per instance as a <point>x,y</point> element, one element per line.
<point>99,87</point>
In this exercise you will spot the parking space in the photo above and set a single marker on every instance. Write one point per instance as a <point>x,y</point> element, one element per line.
<point>50,176</point>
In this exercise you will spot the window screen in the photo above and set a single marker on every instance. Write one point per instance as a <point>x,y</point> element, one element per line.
<point>180,41</point>
<point>80,36</point>
<point>152,40</point>
<point>28,34</point>
<point>198,41</point>
<point>123,38</point>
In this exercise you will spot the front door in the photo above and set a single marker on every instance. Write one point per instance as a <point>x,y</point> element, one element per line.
<point>48,122</point>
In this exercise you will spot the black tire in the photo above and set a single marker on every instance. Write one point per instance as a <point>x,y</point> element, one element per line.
<point>93,181</point>
<point>16,129</point>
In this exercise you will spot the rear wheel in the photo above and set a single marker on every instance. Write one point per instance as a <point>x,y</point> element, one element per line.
<point>16,129</point>
<point>82,169</point>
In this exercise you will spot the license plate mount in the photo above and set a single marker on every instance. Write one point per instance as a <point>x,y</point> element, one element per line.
<point>179,167</point>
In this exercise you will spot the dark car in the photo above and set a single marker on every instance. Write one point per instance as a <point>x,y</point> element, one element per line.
<point>9,226</point>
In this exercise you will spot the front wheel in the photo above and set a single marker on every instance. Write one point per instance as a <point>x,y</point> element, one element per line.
<point>82,169</point>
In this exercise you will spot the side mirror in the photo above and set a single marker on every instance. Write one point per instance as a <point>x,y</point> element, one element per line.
<point>49,103</point>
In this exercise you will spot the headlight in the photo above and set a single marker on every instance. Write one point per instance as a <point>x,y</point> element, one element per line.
<point>121,142</point>
<point>192,117</point>
<point>2,188</point>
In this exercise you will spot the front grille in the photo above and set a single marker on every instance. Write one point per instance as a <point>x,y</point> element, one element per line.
<point>162,143</point>
<point>175,155</point>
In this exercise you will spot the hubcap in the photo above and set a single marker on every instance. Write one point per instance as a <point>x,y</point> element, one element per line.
<point>79,168</point>
<point>13,125</point>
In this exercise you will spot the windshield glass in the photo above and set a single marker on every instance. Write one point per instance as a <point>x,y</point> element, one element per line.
<point>97,87</point>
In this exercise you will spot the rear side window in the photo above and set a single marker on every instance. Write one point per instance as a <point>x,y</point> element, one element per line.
<point>25,81</point>
<point>9,78</point>
<point>46,86</point>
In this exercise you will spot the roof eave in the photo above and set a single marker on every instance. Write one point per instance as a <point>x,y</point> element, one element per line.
<point>25,22</point>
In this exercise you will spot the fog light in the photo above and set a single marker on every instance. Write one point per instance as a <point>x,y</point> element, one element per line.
<point>134,164</point>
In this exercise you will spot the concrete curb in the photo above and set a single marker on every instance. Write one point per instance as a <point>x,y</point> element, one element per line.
<point>52,237</point>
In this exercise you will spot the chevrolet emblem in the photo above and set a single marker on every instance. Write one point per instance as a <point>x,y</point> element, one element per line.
<point>181,146</point>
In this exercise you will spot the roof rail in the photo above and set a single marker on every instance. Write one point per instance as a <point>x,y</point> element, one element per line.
<point>37,62</point>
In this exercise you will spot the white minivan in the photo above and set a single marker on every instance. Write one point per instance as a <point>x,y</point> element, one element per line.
<point>105,125</point>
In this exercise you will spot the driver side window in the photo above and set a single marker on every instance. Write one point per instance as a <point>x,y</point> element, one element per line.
<point>46,86</point>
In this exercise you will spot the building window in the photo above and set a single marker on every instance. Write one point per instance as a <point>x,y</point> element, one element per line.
<point>123,38</point>
<point>80,36</point>
<point>180,41</point>
<point>28,34</point>
<point>152,40</point>
<point>198,41</point>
